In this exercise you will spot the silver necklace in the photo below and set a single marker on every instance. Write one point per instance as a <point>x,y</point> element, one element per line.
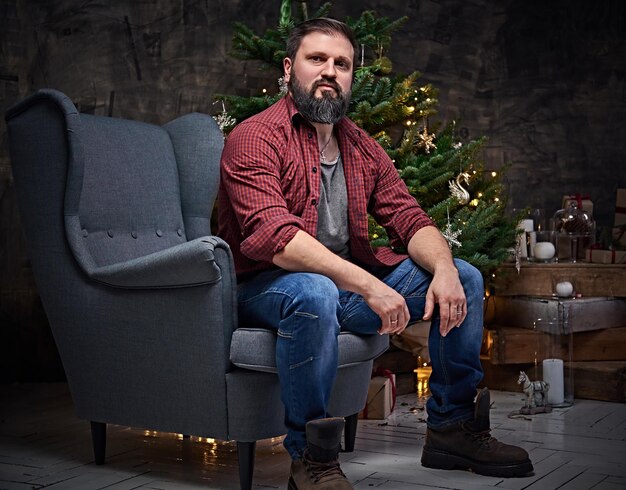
<point>322,155</point>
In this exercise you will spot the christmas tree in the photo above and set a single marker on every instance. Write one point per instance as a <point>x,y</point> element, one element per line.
<point>446,177</point>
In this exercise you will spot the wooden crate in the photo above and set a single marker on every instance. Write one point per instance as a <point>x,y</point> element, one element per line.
<point>576,315</point>
<point>512,345</point>
<point>538,279</point>
<point>600,380</point>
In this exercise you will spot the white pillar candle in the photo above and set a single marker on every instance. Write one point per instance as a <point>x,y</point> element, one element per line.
<point>532,241</point>
<point>527,226</point>
<point>553,374</point>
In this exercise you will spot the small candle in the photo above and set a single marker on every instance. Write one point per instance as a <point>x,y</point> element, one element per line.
<point>553,375</point>
<point>564,289</point>
<point>544,250</point>
<point>423,375</point>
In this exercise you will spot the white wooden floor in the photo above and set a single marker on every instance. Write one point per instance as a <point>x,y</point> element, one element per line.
<point>43,445</point>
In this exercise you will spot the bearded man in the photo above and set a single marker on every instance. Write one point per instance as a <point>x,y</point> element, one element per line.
<point>298,182</point>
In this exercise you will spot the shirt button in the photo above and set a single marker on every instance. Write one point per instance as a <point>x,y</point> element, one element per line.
<point>133,234</point>
<point>110,233</point>
<point>314,170</point>
<point>159,233</point>
<point>314,202</point>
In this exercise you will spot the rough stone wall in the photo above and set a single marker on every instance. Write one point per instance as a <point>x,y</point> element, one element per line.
<point>544,81</point>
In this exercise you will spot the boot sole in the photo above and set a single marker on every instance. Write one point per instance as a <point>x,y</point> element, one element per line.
<point>442,460</point>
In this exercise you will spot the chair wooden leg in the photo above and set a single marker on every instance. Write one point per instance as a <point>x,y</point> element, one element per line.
<point>349,432</point>
<point>99,439</point>
<point>245,455</point>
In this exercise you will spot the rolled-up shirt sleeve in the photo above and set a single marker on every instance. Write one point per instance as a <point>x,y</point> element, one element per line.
<point>250,173</point>
<point>393,207</point>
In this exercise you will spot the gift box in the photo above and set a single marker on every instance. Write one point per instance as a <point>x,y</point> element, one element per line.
<point>605,256</point>
<point>380,397</point>
<point>619,231</point>
<point>583,202</point>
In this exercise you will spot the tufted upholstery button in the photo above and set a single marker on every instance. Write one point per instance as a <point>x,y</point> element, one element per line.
<point>85,233</point>
<point>314,169</point>
<point>110,233</point>
<point>180,232</point>
<point>159,233</point>
<point>314,202</point>
<point>133,234</point>
<point>310,135</point>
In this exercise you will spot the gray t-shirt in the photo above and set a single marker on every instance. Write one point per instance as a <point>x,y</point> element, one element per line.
<point>332,221</point>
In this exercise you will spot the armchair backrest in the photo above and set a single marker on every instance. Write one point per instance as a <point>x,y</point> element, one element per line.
<point>117,167</point>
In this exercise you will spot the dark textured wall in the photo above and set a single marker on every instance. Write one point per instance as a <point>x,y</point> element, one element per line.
<point>544,81</point>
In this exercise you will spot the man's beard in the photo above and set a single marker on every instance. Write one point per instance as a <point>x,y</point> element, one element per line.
<point>327,109</point>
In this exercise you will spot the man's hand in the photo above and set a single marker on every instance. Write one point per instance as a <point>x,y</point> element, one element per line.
<point>447,291</point>
<point>390,306</point>
<point>429,249</point>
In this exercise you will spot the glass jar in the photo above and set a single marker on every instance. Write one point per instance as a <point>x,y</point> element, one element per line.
<point>571,224</point>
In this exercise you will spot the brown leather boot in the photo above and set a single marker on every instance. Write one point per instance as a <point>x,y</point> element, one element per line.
<point>319,467</point>
<point>469,445</point>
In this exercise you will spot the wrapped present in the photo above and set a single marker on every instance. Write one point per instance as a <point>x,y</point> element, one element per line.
<point>598,256</point>
<point>582,202</point>
<point>381,396</point>
<point>619,230</point>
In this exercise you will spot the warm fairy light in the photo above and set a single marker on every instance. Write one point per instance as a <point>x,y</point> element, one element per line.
<point>493,174</point>
<point>411,108</point>
<point>480,194</point>
<point>474,202</point>
<point>496,199</point>
<point>408,123</point>
<point>264,90</point>
<point>423,372</point>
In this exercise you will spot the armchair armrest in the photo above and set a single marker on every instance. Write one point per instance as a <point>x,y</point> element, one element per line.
<point>192,263</point>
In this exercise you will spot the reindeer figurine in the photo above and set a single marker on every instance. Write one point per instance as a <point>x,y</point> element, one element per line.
<point>535,392</point>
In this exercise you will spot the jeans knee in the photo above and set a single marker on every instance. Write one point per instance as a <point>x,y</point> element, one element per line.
<point>315,294</point>
<point>471,279</point>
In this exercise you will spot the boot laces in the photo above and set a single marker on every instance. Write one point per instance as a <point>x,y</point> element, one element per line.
<point>319,471</point>
<point>482,437</point>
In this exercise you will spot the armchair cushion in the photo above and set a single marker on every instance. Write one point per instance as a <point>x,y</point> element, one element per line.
<point>255,348</point>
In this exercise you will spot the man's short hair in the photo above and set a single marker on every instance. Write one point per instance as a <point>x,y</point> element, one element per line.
<point>325,25</point>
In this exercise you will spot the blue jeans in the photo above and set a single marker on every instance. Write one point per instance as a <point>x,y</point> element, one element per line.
<point>308,310</point>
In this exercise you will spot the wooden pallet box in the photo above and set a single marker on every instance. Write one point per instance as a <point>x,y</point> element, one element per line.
<point>513,345</point>
<point>574,314</point>
<point>599,380</point>
<point>537,279</point>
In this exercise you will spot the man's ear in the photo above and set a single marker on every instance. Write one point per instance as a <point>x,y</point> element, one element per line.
<point>287,69</point>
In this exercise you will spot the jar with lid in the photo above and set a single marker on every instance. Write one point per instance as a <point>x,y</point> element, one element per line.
<point>571,225</point>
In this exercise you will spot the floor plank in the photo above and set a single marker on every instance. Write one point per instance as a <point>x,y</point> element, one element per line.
<point>43,445</point>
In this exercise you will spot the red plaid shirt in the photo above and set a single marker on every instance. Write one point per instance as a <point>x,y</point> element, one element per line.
<point>270,187</point>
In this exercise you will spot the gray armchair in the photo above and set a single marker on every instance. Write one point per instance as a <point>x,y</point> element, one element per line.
<point>141,299</point>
